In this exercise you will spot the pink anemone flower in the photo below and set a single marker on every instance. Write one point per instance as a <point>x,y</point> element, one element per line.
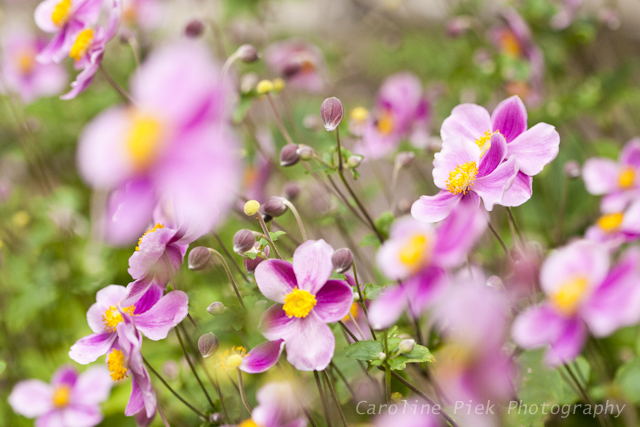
<point>306,301</point>
<point>277,407</point>
<point>421,417</point>
<point>584,293</point>
<point>154,315</point>
<point>299,62</point>
<point>64,18</point>
<point>70,399</point>
<point>617,228</point>
<point>259,359</point>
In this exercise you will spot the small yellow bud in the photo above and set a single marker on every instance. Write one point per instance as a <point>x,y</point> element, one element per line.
<point>251,208</point>
<point>278,84</point>
<point>264,86</point>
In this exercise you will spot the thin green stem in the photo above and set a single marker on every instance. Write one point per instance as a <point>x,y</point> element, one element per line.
<point>344,327</point>
<point>243,396</point>
<point>323,398</point>
<point>512,220</point>
<point>125,96</point>
<point>279,121</point>
<point>193,368</point>
<point>298,219</point>
<point>229,275</point>
<point>497,236</point>
<point>362,301</point>
<point>343,378</point>
<point>336,402</point>
<point>387,371</point>
<point>233,260</point>
<point>267,235</point>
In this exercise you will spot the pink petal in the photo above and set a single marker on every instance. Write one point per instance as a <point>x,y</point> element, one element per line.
<point>537,327</point>
<point>151,249</point>
<point>424,288</point>
<point>129,211</point>
<point>334,301</point>
<point>569,344</point>
<point>310,344</point>
<point>85,416</point>
<point>93,386</point>
<point>494,156</point>
<point>312,265</point>
<point>262,357</point>
<point>454,153</point>
<point>600,175</point>
<point>31,398</point>
<point>492,187</point>
<point>136,401</point>
<point>435,208</point>
<point>138,289</point>
<point>89,348</point>
<point>402,229</point>
<point>54,418</point>
<point>387,308</point>
<point>156,323</point>
<point>630,154</point>
<point>110,295</point>
<point>66,375</point>
<point>148,300</point>
<point>275,324</point>
<point>510,118</point>
<point>535,148</point>
<point>468,121</point>
<point>520,191</point>
<point>275,279</point>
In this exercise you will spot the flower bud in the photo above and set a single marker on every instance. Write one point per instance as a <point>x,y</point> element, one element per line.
<point>274,206</point>
<point>251,264</point>
<point>289,155</point>
<point>216,308</point>
<point>342,260</point>
<point>264,86</point>
<point>215,418</point>
<point>406,346</point>
<point>332,113</point>
<point>305,152</point>
<point>354,161</point>
<point>243,241</point>
<point>251,208</point>
<point>248,53</point>
<point>404,158</point>
<point>208,344</point>
<point>248,82</point>
<point>382,356</point>
<point>198,258</point>
<point>572,169</point>
<point>291,190</point>
<point>194,29</point>
<point>278,84</point>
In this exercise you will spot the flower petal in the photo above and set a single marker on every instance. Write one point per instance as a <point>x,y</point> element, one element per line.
<point>275,279</point>
<point>600,175</point>
<point>454,153</point>
<point>148,300</point>
<point>89,348</point>
<point>468,121</point>
<point>31,398</point>
<point>275,324</point>
<point>493,156</point>
<point>630,154</point>
<point>435,208</point>
<point>156,323</point>
<point>520,191</point>
<point>312,265</point>
<point>535,148</point>
<point>387,308</point>
<point>510,118</point>
<point>569,344</point>
<point>66,375</point>
<point>334,301</point>
<point>129,211</point>
<point>537,327</point>
<point>262,357</point>
<point>76,415</point>
<point>138,289</point>
<point>492,187</point>
<point>93,386</point>
<point>311,344</point>
<point>148,258</point>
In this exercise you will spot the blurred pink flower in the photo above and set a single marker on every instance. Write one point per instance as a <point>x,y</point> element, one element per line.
<point>617,228</point>
<point>145,14</point>
<point>70,399</point>
<point>299,62</point>
<point>277,407</point>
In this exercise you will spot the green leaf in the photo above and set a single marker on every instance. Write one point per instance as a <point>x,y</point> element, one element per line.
<point>275,234</point>
<point>372,291</point>
<point>242,109</point>
<point>364,350</point>
<point>383,223</point>
<point>263,242</point>
<point>628,380</point>
<point>370,240</point>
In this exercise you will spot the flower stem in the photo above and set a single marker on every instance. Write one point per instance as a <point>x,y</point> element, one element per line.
<point>298,220</point>
<point>279,121</point>
<point>353,337</point>
<point>243,396</point>
<point>353,319</point>
<point>323,398</point>
<point>513,221</point>
<point>228,254</point>
<point>229,275</point>
<point>125,96</point>
<point>387,371</point>
<point>335,398</point>
<point>495,233</point>
<point>362,302</point>
<point>267,235</point>
<point>193,368</point>
<point>344,380</point>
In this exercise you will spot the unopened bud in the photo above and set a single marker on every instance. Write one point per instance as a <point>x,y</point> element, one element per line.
<point>332,113</point>
<point>406,346</point>
<point>305,152</point>
<point>243,241</point>
<point>382,356</point>
<point>251,208</point>
<point>291,190</point>
<point>404,158</point>
<point>274,206</point>
<point>248,82</point>
<point>215,418</point>
<point>198,258</point>
<point>251,264</point>
<point>208,344</point>
<point>264,86</point>
<point>572,169</point>
<point>194,28</point>
<point>356,296</point>
<point>354,161</point>
<point>278,84</point>
<point>342,260</point>
<point>248,53</point>
<point>289,155</point>
<point>216,308</point>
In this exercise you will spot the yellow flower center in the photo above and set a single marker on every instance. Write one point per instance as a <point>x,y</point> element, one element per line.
<point>510,45</point>
<point>414,252</point>
<point>359,114</point>
<point>112,317</point>
<point>145,136</point>
<point>151,230</point>
<point>26,61</point>
<point>568,297</point>
<point>61,396</point>
<point>610,222</point>
<point>61,13</point>
<point>299,303</point>
<point>82,44</point>
<point>249,423</point>
<point>462,177</point>
<point>232,359</point>
<point>117,365</point>
<point>484,142</point>
<point>627,178</point>
<point>385,123</point>
<point>353,311</point>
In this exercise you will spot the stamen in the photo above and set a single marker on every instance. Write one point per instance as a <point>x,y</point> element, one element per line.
<point>610,222</point>
<point>82,44</point>
<point>232,359</point>
<point>568,297</point>
<point>627,178</point>
<point>112,317</point>
<point>462,177</point>
<point>299,303</point>
<point>145,137</point>
<point>414,252</point>
<point>60,14</point>
<point>353,311</point>
<point>61,396</point>
<point>484,142</point>
<point>385,123</point>
<point>151,230</point>
<point>117,365</point>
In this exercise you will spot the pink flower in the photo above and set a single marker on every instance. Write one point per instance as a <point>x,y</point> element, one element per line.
<point>145,14</point>
<point>173,145</point>
<point>406,417</point>
<point>401,112</point>
<point>464,172</point>
<point>306,301</point>
<point>300,62</point>
<point>88,49</point>
<point>277,407</point>
<point>64,18</point>
<point>23,74</point>
<point>583,293</point>
<point>617,228</point>
<point>617,181</point>
<point>70,399</point>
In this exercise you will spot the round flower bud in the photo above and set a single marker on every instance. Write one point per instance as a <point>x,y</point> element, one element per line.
<point>382,356</point>
<point>264,86</point>
<point>572,169</point>
<point>291,190</point>
<point>342,260</point>
<point>305,152</point>
<point>248,53</point>
<point>406,346</point>
<point>198,258</point>
<point>243,241</point>
<point>404,158</point>
<point>251,208</point>
<point>251,264</point>
<point>278,84</point>
<point>194,29</point>
<point>274,206</point>
<point>289,155</point>
<point>332,113</point>
<point>354,161</point>
<point>216,308</point>
<point>215,418</point>
<point>208,344</point>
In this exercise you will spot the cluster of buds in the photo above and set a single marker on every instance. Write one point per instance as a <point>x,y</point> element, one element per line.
<point>253,252</point>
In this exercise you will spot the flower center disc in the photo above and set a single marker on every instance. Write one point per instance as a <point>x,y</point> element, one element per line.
<point>462,177</point>
<point>117,366</point>
<point>299,303</point>
<point>112,317</point>
<point>60,14</point>
<point>627,178</point>
<point>414,252</point>
<point>151,230</point>
<point>144,140</point>
<point>61,396</point>
<point>568,297</point>
<point>232,359</point>
<point>82,44</point>
<point>385,124</point>
<point>610,222</point>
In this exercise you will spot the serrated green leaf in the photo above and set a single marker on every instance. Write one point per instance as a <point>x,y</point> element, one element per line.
<point>364,350</point>
<point>372,291</point>
<point>275,234</point>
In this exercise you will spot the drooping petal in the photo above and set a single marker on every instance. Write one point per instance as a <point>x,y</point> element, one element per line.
<point>520,191</point>
<point>142,420</point>
<point>424,288</point>
<point>569,343</point>
<point>136,290</point>
<point>454,153</point>
<point>494,156</point>
<point>89,348</point>
<point>312,265</point>
<point>510,118</point>
<point>275,279</point>
<point>387,308</point>
<point>156,323</point>
<point>93,386</point>
<point>262,357</point>
<point>535,148</point>
<point>150,252</point>
<point>600,175</point>
<point>148,300</point>
<point>334,301</point>
<point>310,344</point>
<point>275,324</point>
<point>435,208</point>
<point>468,121</point>
<point>31,398</point>
<point>492,187</point>
<point>136,402</point>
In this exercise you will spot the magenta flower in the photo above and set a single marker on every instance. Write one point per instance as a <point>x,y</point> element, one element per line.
<point>70,399</point>
<point>146,14</point>
<point>464,172</point>
<point>64,18</point>
<point>617,181</point>
<point>154,315</point>
<point>401,112</point>
<point>418,254</point>
<point>260,359</point>
<point>88,49</point>
<point>405,416</point>
<point>298,61</point>
<point>173,146</point>
<point>306,301</point>
<point>277,407</point>
<point>23,74</point>
<point>617,228</point>
<point>583,293</point>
